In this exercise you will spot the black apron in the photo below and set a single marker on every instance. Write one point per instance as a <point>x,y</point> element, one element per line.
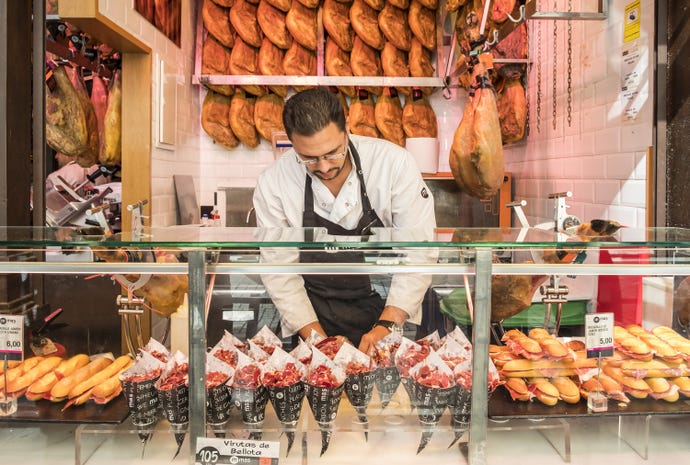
<point>345,305</point>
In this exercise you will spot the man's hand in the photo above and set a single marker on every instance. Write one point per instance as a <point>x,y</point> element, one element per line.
<point>366,344</point>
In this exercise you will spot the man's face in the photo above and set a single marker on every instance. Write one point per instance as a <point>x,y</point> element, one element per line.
<point>313,152</point>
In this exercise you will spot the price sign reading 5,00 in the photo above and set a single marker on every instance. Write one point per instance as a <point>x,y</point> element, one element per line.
<point>605,341</point>
<point>11,337</point>
<point>599,334</point>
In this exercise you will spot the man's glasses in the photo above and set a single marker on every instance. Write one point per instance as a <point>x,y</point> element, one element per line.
<point>311,161</point>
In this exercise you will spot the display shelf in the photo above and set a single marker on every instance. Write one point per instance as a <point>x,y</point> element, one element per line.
<point>113,412</point>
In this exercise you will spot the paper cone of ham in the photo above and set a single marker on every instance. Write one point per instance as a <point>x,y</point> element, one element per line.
<point>330,345</point>
<point>157,350</point>
<point>248,394</point>
<point>142,398</point>
<point>227,350</point>
<point>360,372</point>
<point>173,394</point>
<point>267,340</point>
<point>302,353</point>
<point>218,401</point>
<point>408,355</point>
<point>387,377</point>
<point>324,386</point>
<point>283,377</point>
<point>433,387</point>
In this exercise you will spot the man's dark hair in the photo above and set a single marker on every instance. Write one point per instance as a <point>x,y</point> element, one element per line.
<point>311,110</point>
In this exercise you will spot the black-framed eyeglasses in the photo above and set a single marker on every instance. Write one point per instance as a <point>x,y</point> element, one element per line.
<point>311,161</point>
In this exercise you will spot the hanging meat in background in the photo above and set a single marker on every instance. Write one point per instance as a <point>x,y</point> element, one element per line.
<point>89,155</point>
<point>365,22</point>
<point>388,116</point>
<point>365,61</point>
<point>476,157</point>
<point>375,4</point>
<point>282,5</point>
<point>244,61</point>
<point>394,61</point>
<point>308,3</point>
<point>111,142</point>
<point>99,100</point>
<point>453,5</point>
<point>217,22</point>
<point>270,63</point>
<point>268,115</point>
<point>423,24</point>
<point>242,119</point>
<point>418,118</point>
<point>225,3</point>
<point>272,23</point>
<point>243,20</point>
<point>512,109</point>
<point>215,119</point>
<point>337,63</point>
<point>336,22</point>
<point>514,46</point>
<point>500,10</point>
<point>298,61</point>
<point>419,60</point>
<point>395,27</point>
<point>66,128</point>
<point>301,22</point>
<point>362,117</point>
<point>215,59</point>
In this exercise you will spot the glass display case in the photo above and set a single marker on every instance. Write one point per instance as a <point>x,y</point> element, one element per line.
<point>492,285</point>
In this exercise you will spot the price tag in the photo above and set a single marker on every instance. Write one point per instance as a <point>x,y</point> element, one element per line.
<point>599,334</point>
<point>12,337</point>
<point>211,451</point>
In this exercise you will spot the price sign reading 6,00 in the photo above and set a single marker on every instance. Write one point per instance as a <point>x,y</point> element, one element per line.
<point>11,337</point>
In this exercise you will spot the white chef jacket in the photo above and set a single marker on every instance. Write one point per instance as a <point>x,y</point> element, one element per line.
<point>397,193</point>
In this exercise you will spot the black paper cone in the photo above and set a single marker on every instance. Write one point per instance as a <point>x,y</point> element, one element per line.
<point>409,384</point>
<point>460,408</point>
<point>362,418</point>
<point>179,431</point>
<point>143,403</point>
<point>359,387</point>
<point>430,403</point>
<point>324,403</point>
<point>251,403</point>
<point>287,401</point>
<point>218,405</point>
<point>387,381</point>
<point>175,404</point>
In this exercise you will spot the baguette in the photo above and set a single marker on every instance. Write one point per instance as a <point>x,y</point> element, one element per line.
<point>62,388</point>
<point>42,386</point>
<point>609,386</point>
<point>639,369</point>
<point>519,344</point>
<point>14,373</point>
<point>637,388</point>
<point>683,383</point>
<point>120,364</point>
<point>517,388</point>
<point>552,347</point>
<point>661,348</point>
<point>543,390</point>
<point>630,345</point>
<point>18,385</point>
<point>662,389</point>
<point>567,389</point>
<point>547,368</point>
<point>674,339</point>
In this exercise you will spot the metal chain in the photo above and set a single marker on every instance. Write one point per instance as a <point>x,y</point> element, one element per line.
<point>539,77</point>
<point>570,65</point>
<point>555,66</point>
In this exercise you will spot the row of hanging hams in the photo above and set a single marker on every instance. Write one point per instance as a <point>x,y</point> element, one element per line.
<point>88,127</point>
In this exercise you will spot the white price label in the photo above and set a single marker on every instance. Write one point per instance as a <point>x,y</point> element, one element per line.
<point>599,334</point>
<point>212,451</point>
<point>11,337</point>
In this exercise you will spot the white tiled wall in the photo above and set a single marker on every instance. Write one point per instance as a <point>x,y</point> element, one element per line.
<point>598,157</point>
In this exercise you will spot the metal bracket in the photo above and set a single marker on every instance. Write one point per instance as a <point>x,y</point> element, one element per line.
<point>137,218</point>
<point>131,306</point>
<point>532,11</point>
<point>554,293</point>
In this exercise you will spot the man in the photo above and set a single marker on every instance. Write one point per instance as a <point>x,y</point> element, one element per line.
<point>346,185</point>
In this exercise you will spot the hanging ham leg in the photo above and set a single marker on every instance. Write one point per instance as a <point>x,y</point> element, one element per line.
<point>512,111</point>
<point>111,145</point>
<point>476,157</point>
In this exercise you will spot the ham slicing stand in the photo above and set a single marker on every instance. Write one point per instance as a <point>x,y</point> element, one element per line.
<point>553,292</point>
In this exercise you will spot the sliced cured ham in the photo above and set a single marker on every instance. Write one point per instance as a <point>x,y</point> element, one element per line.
<point>215,119</point>
<point>365,22</point>
<point>244,21</point>
<point>242,119</point>
<point>388,116</point>
<point>394,26</point>
<point>215,59</point>
<point>362,118</point>
<point>336,21</point>
<point>476,157</point>
<point>268,115</point>
<point>423,24</point>
<point>272,23</point>
<point>217,22</point>
<point>301,22</point>
<point>418,118</point>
